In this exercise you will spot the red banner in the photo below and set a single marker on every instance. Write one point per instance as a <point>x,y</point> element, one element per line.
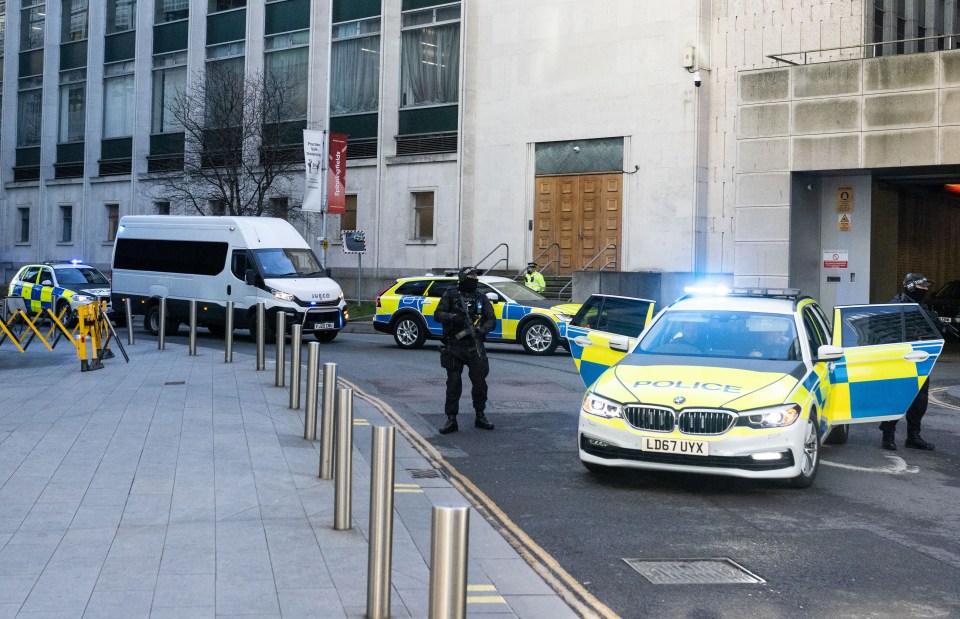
<point>337,174</point>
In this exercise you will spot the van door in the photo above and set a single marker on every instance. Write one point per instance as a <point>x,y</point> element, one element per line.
<point>243,296</point>
<point>888,353</point>
<point>603,330</point>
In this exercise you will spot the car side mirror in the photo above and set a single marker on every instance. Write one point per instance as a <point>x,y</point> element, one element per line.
<point>494,297</point>
<point>46,282</point>
<point>250,277</point>
<point>829,353</point>
<point>619,343</point>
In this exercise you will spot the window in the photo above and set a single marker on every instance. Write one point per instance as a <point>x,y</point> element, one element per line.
<point>121,15</point>
<point>73,95</point>
<point>169,82</point>
<point>412,289</point>
<point>3,27</point>
<point>355,67</point>
<point>73,21</point>
<point>23,214</point>
<point>192,257</point>
<point>118,100</point>
<point>31,25</point>
<point>430,56</point>
<point>348,221</point>
<point>217,206</point>
<point>28,117</point>
<point>441,286</point>
<point>66,223</point>
<point>423,216</point>
<point>224,88</point>
<point>113,220</point>
<point>162,208</point>
<point>278,207</point>
<point>30,275</point>
<point>215,6</point>
<point>240,262</point>
<point>285,68</point>
<point>171,10</point>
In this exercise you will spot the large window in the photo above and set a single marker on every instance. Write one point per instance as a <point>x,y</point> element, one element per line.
<point>32,18</point>
<point>169,81</point>
<point>121,15</point>
<point>224,87</point>
<point>66,223</point>
<point>29,114</point>
<point>118,100</point>
<point>191,257</point>
<point>285,68</point>
<point>423,216</point>
<point>430,56</point>
<point>73,21</point>
<point>171,10</point>
<point>935,22</point>
<point>355,67</point>
<point>73,89</point>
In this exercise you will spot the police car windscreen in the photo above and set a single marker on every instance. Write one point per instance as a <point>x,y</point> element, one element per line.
<point>81,276</point>
<point>515,291</point>
<point>728,334</point>
<point>288,263</point>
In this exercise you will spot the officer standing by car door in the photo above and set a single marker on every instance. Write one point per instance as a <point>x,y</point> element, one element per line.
<point>467,316</point>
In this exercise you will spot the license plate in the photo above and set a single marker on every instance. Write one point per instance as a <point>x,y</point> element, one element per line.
<point>324,325</point>
<point>945,319</point>
<point>675,446</point>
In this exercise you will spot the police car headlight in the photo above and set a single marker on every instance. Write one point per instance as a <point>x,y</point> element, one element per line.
<point>82,298</point>
<point>563,317</point>
<point>283,296</point>
<point>772,417</point>
<point>601,407</point>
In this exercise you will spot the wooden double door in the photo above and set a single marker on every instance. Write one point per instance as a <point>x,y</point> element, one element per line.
<point>581,213</point>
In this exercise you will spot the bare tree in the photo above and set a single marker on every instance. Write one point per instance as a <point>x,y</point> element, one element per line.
<point>241,144</point>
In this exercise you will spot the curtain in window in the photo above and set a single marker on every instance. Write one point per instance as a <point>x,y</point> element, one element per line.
<point>287,71</point>
<point>72,112</point>
<point>118,101</point>
<point>28,118</point>
<point>355,83</point>
<point>167,84</point>
<point>430,68</point>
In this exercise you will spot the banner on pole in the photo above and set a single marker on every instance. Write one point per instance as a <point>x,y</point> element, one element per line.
<point>337,174</point>
<point>313,160</point>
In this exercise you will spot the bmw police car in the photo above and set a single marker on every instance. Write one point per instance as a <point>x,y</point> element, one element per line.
<point>59,285</point>
<point>747,383</point>
<point>406,309</point>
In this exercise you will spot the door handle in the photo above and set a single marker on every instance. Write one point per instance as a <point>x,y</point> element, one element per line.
<point>583,340</point>
<point>427,302</point>
<point>917,356</point>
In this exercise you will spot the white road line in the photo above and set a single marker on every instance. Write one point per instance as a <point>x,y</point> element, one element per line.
<point>941,403</point>
<point>898,466</point>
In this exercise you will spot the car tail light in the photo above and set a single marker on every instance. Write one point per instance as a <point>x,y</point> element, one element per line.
<point>376,302</point>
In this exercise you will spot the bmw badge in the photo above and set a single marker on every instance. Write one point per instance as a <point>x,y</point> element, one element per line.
<point>679,399</point>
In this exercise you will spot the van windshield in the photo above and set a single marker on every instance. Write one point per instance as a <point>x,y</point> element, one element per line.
<point>288,263</point>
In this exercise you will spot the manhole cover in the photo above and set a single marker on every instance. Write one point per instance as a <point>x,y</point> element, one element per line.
<point>694,572</point>
<point>175,382</point>
<point>518,404</point>
<point>424,473</point>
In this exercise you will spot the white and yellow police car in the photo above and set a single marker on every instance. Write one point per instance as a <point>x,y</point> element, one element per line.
<point>746,383</point>
<point>406,309</point>
<point>59,286</point>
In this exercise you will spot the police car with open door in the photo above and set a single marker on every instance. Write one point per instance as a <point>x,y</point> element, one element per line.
<point>59,286</point>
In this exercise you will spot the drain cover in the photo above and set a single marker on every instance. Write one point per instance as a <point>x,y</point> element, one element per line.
<point>424,473</point>
<point>694,572</point>
<point>518,404</point>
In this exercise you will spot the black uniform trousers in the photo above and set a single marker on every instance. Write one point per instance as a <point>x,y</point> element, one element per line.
<point>914,413</point>
<point>477,369</point>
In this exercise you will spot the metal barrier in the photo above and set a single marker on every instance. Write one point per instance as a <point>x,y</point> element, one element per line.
<point>261,336</point>
<point>228,335</point>
<point>162,326</point>
<point>296,341</point>
<point>281,370</point>
<point>128,307</point>
<point>380,547</point>
<point>192,345</point>
<point>342,495</point>
<point>313,386</point>
<point>449,536</point>
<point>326,420</point>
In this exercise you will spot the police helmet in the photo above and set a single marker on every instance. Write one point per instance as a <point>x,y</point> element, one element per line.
<point>466,272</point>
<point>912,281</point>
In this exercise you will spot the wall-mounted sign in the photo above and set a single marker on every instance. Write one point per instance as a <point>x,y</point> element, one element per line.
<point>844,199</point>
<point>354,242</point>
<point>835,258</point>
<point>844,222</point>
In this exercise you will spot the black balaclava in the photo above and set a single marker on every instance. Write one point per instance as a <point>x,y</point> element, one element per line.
<point>468,281</point>
<point>917,294</point>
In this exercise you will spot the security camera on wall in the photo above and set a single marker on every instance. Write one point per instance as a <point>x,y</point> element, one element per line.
<point>697,80</point>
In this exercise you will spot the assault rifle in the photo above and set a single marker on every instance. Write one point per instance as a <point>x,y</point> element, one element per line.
<point>470,330</point>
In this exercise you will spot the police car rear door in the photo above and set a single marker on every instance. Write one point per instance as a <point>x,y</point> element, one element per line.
<point>888,353</point>
<point>604,330</point>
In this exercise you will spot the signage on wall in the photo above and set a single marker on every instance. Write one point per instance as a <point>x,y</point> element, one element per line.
<point>844,223</point>
<point>836,258</point>
<point>844,199</point>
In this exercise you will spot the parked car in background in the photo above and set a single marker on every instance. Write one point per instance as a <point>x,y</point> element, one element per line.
<point>946,302</point>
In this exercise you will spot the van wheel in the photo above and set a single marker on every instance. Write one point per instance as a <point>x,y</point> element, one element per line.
<point>538,337</point>
<point>269,331</point>
<point>409,332</point>
<point>810,456</point>
<point>325,337</point>
<point>151,322</point>
<point>216,330</point>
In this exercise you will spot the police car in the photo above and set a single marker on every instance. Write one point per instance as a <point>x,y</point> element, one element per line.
<point>747,383</point>
<point>406,309</point>
<point>59,285</point>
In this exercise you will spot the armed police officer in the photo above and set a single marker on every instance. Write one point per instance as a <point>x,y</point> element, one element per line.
<point>915,289</point>
<point>467,316</point>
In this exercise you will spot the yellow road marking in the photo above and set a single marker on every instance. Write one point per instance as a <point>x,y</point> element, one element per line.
<point>399,485</point>
<point>485,599</point>
<point>481,588</point>
<point>407,491</point>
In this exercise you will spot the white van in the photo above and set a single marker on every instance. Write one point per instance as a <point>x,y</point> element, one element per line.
<point>214,260</point>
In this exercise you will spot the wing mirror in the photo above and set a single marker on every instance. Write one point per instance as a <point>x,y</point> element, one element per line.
<point>619,343</point>
<point>46,282</point>
<point>829,353</point>
<point>494,297</point>
<point>250,277</point>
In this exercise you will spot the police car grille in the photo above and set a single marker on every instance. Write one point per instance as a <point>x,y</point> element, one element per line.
<point>705,422</point>
<point>649,418</point>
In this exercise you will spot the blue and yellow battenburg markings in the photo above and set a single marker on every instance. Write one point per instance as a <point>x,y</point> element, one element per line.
<point>39,297</point>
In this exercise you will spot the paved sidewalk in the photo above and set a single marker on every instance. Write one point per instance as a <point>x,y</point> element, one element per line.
<point>181,486</point>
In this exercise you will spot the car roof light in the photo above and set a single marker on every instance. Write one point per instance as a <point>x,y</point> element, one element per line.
<point>76,261</point>
<point>707,290</point>
<point>766,292</point>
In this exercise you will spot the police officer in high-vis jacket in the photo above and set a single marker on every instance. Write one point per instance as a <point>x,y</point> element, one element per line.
<point>467,316</point>
<point>533,279</point>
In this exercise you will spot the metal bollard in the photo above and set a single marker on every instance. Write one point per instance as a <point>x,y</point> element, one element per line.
<point>192,346</point>
<point>449,535</point>
<point>281,370</point>
<point>380,548</point>
<point>228,335</point>
<point>128,305</point>
<point>327,411</point>
<point>162,329</point>
<point>261,336</point>
<point>313,379</point>
<point>296,340</point>
<point>342,496</point>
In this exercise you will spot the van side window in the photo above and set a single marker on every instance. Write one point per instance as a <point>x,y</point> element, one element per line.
<point>163,256</point>
<point>239,263</point>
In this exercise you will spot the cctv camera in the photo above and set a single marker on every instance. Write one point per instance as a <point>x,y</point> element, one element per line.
<point>697,80</point>
<point>576,149</point>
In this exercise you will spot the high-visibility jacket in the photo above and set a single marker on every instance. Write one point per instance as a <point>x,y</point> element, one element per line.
<point>534,281</point>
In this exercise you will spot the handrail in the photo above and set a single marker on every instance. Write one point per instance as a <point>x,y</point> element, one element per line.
<point>479,262</point>
<point>586,267</point>
<point>862,46</point>
<point>538,256</point>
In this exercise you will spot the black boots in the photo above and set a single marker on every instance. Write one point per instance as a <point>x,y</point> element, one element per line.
<point>482,422</point>
<point>915,442</point>
<point>450,426</point>
<point>887,442</point>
